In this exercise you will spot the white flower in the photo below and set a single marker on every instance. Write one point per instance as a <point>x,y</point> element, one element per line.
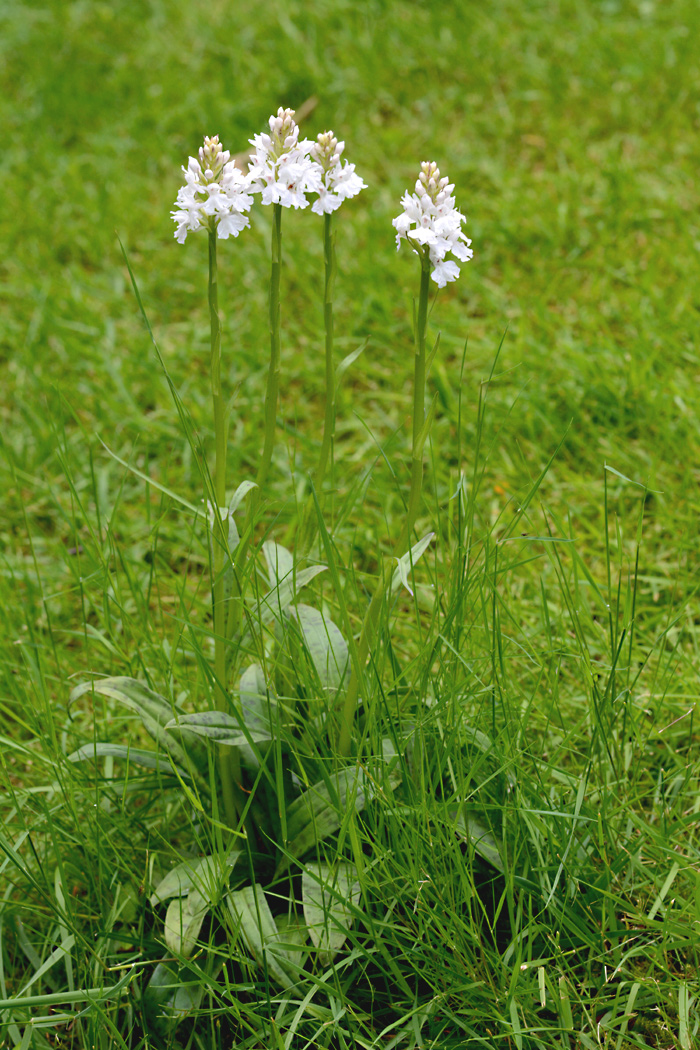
<point>339,181</point>
<point>432,225</point>
<point>215,196</point>
<point>281,168</point>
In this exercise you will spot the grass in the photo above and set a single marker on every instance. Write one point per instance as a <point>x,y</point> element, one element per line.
<point>528,866</point>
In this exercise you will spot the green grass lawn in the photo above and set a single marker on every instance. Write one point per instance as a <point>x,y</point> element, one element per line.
<point>528,861</point>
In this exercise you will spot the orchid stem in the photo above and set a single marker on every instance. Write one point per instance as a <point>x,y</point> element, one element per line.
<point>273,375</point>
<point>306,528</point>
<point>271,397</point>
<point>369,626</point>
<point>329,422</point>
<point>229,765</point>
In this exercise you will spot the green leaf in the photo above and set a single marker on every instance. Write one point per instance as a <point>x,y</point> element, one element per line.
<point>347,361</point>
<point>285,582</point>
<point>176,991</point>
<point>280,562</point>
<point>273,604</point>
<point>187,998</point>
<point>484,841</point>
<point>221,727</point>
<point>239,495</point>
<point>233,537</point>
<point>431,355</point>
<point>183,921</point>
<point>149,481</point>
<point>406,561</point>
<point>639,484</point>
<point>425,429</point>
<point>130,692</point>
<point>327,647</point>
<point>167,994</point>
<point>482,741</point>
<point>328,894</point>
<point>257,707</point>
<point>206,874</point>
<point>293,935</point>
<point>134,755</point>
<point>389,773</point>
<point>251,914</point>
<point>320,811</point>
<point>154,711</point>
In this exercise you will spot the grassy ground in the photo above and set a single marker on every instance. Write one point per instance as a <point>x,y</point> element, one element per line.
<point>553,685</point>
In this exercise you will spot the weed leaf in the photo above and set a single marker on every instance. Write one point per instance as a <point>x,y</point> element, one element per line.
<point>407,561</point>
<point>320,811</point>
<point>222,727</point>
<point>328,893</point>
<point>483,840</point>
<point>135,755</point>
<point>347,361</point>
<point>327,647</point>
<point>154,711</point>
<point>183,921</point>
<point>281,595</point>
<point>280,562</point>
<point>251,914</point>
<point>206,874</point>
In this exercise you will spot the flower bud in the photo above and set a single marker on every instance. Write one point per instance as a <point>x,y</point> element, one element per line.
<point>326,150</point>
<point>212,157</point>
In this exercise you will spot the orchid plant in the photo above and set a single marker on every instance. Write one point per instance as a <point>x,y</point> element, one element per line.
<point>432,226</point>
<point>269,818</point>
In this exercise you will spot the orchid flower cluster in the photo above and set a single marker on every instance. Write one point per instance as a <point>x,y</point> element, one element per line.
<point>338,181</point>
<point>283,170</point>
<point>216,194</point>
<point>432,225</point>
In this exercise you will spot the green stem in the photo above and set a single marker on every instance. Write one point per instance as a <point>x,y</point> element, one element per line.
<point>418,408</point>
<point>306,527</point>
<point>403,542</point>
<point>229,765</point>
<point>271,396</point>
<point>329,423</point>
<point>273,375</point>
